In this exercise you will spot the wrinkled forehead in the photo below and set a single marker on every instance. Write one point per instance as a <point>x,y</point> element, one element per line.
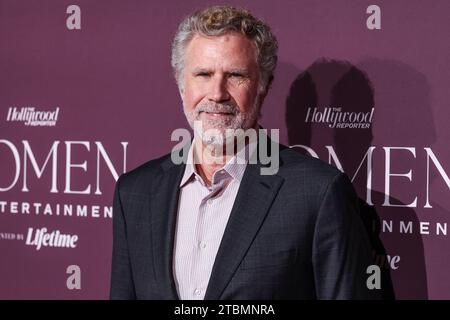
<point>230,49</point>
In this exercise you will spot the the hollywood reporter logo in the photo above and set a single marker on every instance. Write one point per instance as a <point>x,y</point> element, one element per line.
<point>335,118</point>
<point>30,116</point>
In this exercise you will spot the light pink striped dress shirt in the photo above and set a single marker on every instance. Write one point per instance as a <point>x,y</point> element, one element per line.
<point>203,214</point>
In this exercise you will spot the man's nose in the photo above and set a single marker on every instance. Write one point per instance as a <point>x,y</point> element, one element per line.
<point>218,91</point>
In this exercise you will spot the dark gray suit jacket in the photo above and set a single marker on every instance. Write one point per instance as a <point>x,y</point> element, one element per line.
<point>293,235</point>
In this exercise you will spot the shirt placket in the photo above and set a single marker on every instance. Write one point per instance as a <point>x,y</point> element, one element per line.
<point>203,249</point>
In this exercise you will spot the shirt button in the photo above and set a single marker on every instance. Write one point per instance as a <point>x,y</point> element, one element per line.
<point>209,202</point>
<point>197,292</point>
<point>203,245</point>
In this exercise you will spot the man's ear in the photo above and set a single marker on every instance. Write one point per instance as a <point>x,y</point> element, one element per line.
<point>269,83</point>
<point>181,92</point>
<point>180,86</point>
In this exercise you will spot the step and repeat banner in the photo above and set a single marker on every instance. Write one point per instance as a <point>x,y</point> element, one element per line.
<point>87,93</point>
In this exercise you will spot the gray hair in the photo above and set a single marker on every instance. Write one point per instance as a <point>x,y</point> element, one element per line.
<point>219,20</point>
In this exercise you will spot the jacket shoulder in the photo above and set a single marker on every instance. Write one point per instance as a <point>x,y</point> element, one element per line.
<point>292,161</point>
<point>141,176</point>
<point>310,175</point>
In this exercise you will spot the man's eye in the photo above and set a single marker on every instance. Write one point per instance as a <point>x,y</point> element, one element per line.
<point>237,75</point>
<point>202,74</point>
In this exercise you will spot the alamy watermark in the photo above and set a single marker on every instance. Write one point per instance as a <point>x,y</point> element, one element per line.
<point>219,144</point>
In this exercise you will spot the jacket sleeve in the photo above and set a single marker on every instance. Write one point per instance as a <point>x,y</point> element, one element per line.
<point>122,286</point>
<point>341,248</point>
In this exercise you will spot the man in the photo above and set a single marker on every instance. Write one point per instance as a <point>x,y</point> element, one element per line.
<point>216,227</point>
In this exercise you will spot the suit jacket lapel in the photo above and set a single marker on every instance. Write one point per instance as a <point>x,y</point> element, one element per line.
<point>253,201</point>
<point>255,196</point>
<point>163,208</point>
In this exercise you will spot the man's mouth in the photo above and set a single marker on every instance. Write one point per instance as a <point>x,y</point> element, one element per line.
<point>217,114</point>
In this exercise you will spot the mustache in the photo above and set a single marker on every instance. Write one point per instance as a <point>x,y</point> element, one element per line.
<point>217,108</point>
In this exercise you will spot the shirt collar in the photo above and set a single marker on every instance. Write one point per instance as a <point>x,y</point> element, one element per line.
<point>234,168</point>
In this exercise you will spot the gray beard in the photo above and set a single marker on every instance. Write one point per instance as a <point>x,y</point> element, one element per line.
<point>221,131</point>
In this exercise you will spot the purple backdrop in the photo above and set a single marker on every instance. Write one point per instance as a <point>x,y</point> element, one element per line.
<point>110,83</point>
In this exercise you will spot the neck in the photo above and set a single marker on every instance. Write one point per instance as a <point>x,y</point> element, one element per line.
<point>210,159</point>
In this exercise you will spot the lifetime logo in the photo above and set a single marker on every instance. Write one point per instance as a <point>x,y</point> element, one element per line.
<point>42,238</point>
<point>31,117</point>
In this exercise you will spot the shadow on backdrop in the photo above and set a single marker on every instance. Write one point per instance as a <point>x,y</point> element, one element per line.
<point>339,84</point>
<point>404,117</point>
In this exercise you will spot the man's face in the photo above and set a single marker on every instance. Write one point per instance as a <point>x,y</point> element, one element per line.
<point>220,84</point>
